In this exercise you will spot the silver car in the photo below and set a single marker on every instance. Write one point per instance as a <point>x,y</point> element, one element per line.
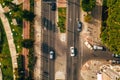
<point>72,51</point>
<point>96,47</point>
<point>51,54</point>
<point>79,26</point>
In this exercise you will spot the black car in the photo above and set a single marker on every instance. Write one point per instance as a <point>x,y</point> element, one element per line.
<point>53,6</point>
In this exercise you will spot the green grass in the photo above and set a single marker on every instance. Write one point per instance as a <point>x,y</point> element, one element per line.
<point>5,57</point>
<point>17,33</point>
<point>62,19</point>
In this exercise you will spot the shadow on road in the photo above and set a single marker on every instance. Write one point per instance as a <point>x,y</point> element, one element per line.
<point>98,55</point>
<point>48,24</point>
<point>46,48</point>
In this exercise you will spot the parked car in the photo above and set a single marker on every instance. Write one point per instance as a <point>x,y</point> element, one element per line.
<point>72,51</point>
<point>52,54</point>
<point>115,61</point>
<point>95,47</point>
<point>116,55</point>
<point>88,45</point>
<point>53,6</point>
<point>79,26</point>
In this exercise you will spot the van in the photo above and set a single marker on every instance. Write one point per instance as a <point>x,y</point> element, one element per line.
<point>88,45</point>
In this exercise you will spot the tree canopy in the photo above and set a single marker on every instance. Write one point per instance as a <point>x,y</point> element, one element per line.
<point>27,43</point>
<point>28,15</point>
<point>111,33</point>
<point>88,5</point>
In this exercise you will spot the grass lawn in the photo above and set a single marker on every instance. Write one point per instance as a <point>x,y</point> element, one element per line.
<point>17,33</point>
<point>62,19</point>
<point>5,58</point>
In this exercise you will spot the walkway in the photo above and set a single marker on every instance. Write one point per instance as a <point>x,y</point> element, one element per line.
<point>9,38</point>
<point>37,46</point>
<point>1,78</point>
<point>26,32</point>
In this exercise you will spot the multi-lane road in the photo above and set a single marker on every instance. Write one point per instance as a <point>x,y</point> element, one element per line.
<point>73,40</point>
<point>48,40</point>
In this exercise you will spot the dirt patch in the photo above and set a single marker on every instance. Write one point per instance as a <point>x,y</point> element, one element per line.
<point>91,68</point>
<point>61,3</point>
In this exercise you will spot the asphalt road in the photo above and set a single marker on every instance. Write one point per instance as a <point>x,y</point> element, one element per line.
<point>48,40</point>
<point>73,40</point>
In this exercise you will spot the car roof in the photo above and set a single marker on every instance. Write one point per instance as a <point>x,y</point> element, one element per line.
<point>51,52</point>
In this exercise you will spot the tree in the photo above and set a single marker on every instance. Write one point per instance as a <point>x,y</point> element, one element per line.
<point>28,15</point>
<point>27,43</point>
<point>110,34</point>
<point>88,5</point>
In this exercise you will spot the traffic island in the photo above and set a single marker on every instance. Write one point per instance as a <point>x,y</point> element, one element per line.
<point>62,19</point>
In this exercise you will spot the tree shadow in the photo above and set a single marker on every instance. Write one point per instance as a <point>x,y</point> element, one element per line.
<point>46,48</point>
<point>47,24</point>
<point>71,2</point>
<point>96,13</point>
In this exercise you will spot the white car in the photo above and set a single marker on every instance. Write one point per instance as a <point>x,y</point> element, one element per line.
<point>88,45</point>
<point>95,47</point>
<point>52,54</point>
<point>72,51</point>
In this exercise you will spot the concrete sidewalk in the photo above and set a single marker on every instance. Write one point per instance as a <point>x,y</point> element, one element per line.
<point>1,78</point>
<point>10,39</point>
<point>37,35</point>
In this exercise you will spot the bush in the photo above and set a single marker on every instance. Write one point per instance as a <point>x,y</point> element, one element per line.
<point>88,18</point>
<point>21,69</point>
<point>28,15</point>
<point>62,19</point>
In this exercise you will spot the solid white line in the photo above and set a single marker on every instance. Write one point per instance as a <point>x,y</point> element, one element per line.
<point>48,45</point>
<point>81,52</point>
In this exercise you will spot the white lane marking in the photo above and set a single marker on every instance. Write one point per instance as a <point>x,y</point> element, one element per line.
<point>48,45</point>
<point>81,52</point>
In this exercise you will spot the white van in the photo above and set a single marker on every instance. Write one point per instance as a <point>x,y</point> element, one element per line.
<point>95,47</point>
<point>88,45</point>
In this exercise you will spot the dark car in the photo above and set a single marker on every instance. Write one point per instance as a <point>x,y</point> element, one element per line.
<point>79,26</point>
<point>53,6</point>
<point>115,61</point>
<point>116,55</point>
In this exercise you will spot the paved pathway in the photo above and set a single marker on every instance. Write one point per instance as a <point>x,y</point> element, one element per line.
<point>1,78</point>
<point>26,32</point>
<point>37,47</point>
<point>9,38</point>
